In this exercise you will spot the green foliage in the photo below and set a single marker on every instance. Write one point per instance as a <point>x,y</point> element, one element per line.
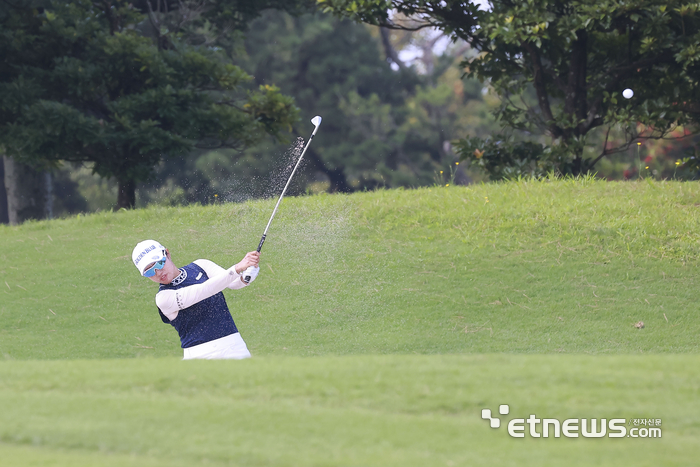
<point>560,67</point>
<point>505,159</point>
<point>335,69</point>
<point>382,127</point>
<point>689,166</point>
<point>83,84</point>
<point>209,22</point>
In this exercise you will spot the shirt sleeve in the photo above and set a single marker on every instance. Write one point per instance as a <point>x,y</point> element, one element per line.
<point>213,269</point>
<point>170,302</point>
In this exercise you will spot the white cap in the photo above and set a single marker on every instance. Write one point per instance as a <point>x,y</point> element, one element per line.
<point>147,252</point>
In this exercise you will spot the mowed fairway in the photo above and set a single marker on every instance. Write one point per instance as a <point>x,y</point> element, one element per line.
<point>349,411</point>
<point>381,325</point>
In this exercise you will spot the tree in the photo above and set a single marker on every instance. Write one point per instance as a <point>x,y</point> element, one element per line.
<point>84,82</point>
<point>4,214</point>
<point>210,22</point>
<point>386,122</point>
<point>333,67</point>
<point>27,192</point>
<point>575,58</point>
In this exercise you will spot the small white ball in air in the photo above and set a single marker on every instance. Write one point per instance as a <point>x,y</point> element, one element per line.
<point>627,93</point>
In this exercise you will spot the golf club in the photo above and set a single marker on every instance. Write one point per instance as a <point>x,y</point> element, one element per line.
<point>316,122</point>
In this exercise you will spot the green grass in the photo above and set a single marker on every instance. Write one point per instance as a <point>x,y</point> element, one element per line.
<point>541,267</point>
<point>380,411</point>
<point>500,288</point>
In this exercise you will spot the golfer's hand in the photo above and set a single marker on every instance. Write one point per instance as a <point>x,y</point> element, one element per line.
<point>250,259</point>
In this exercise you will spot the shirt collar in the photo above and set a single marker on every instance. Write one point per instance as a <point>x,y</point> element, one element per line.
<point>180,278</point>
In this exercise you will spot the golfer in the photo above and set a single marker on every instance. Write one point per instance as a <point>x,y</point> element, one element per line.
<point>190,299</point>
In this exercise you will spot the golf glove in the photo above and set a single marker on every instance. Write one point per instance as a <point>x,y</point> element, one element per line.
<point>250,274</point>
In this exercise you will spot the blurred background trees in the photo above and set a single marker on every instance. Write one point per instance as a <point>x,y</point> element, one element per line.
<point>106,84</point>
<point>198,101</point>
<point>386,124</point>
<point>559,69</point>
<point>392,104</point>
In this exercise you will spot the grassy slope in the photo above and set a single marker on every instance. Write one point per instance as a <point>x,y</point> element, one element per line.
<point>560,267</point>
<point>543,267</point>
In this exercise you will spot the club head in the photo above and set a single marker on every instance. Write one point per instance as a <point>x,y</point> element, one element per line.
<point>316,121</point>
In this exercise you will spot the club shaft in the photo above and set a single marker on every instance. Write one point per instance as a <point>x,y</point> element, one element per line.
<point>262,240</point>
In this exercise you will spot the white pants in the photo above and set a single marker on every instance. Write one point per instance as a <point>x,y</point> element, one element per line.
<point>228,347</point>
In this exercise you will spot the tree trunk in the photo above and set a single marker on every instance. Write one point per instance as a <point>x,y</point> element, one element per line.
<point>576,99</point>
<point>4,219</point>
<point>126,196</point>
<point>389,49</point>
<point>27,194</point>
<point>48,180</point>
<point>578,166</point>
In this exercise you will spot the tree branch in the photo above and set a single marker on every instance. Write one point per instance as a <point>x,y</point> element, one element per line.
<point>541,89</point>
<point>623,72</point>
<point>389,50</point>
<point>113,21</point>
<point>576,99</point>
<point>154,20</point>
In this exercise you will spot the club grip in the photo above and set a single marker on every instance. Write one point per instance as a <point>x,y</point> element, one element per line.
<point>262,240</point>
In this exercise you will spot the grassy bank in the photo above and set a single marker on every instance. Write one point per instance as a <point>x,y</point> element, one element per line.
<point>538,267</point>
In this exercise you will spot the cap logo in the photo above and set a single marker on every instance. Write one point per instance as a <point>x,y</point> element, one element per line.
<point>143,253</point>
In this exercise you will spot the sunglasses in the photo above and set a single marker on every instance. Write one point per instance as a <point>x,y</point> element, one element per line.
<point>151,271</point>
